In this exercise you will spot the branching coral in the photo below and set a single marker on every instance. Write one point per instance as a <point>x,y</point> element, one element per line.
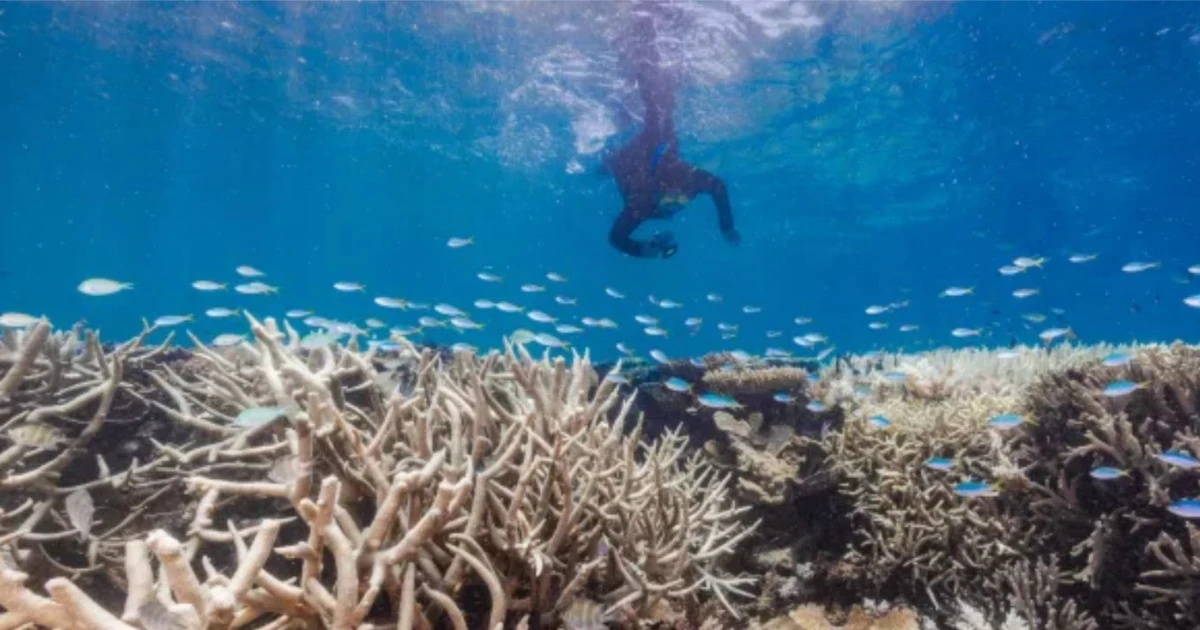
<point>499,475</point>
<point>756,380</point>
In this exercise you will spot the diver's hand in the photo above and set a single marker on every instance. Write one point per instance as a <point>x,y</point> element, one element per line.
<point>732,236</point>
<point>663,245</point>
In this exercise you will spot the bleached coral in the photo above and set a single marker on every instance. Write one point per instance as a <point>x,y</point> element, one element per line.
<point>502,472</point>
<point>756,380</point>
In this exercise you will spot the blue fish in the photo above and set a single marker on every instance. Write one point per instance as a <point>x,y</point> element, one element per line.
<point>784,397</point>
<point>943,464</point>
<point>815,406</point>
<point>617,378</point>
<point>696,362</point>
<point>1006,421</point>
<point>879,422</point>
<point>1116,359</point>
<point>257,416</point>
<point>971,489</point>
<point>388,346</point>
<point>717,401</point>
<point>1186,508</point>
<point>1176,458</point>
<point>1104,473</point>
<point>677,384</point>
<point>1117,389</point>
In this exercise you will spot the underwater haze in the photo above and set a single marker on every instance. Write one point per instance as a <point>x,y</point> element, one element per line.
<point>875,154</point>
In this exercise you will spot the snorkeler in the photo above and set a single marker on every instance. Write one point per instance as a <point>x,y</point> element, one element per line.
<point>654,182</point>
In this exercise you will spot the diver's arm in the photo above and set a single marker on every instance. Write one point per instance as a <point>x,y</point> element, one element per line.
<point>662,245</point>
<point>704,182</point>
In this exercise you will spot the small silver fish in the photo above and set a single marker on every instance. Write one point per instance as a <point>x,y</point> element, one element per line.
<point>555,277</point>
<point>540,317</point>
<point>456,242</point>
<point>693,322</point>
<point>655,331</point>
<point>1035,318</point>
<point>390,302</point>
<point>484,304</point>
<point>966,332</point>
<point>430,322</point>
<point>532,288</point>
<point>257,416</point>
<point>464,323</point>
<point>802,321</point>
<point>349,287</point>
<point>909,328</point>
<point>624,349</point>
<point>208,285</point>
<point>1050,334</point>
<point>80,511</point>
<point>957,291</point>
<point>97,287</point>
<point>660,356</point>
<point>246,271</point>
<point>508,307</point>
<point>17,320</point>
<point>284,470</point>
<point>521,336</point>
<point>1026,262</point>
<point>1011,270</point>
<point>255,288</point>
<point>375,323</point>
<point>613,293</point>
<point>448,311</point>
<point>35,435</point>
<point>567,329</point>
<point>564,301</point>
<point>668,304</point>
<point>227,340</point>
<point>606,323</point>
<point>1138,267</point>
<point>172,320</point>
<point>713,297</point>
<point>488,277</point>
<point>751,310</point>
<point>297,313</point>
<point>877,325</point>
<point>645,320</point>
<point>1021,294</point>
<point>550,341</point>
<point>1081,258</point>
<point>221,312</point>
<point>875,309</point>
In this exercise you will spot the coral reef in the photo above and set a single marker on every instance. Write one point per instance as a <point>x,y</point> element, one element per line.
<point>401,491</point>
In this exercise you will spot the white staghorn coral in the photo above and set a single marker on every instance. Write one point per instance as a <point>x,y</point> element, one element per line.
<point>502,472</point>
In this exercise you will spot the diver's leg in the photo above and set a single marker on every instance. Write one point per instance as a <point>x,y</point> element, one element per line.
<point>653,80</point>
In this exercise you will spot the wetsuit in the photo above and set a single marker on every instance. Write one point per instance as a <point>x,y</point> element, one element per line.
<point>654,182</point>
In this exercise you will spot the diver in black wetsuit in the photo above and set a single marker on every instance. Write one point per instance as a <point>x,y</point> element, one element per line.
<point>655,183</point>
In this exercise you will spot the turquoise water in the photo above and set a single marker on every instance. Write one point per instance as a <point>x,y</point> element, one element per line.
<point>874,153</point>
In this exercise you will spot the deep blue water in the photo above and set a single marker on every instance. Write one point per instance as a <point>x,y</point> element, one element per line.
<point>874,152</point>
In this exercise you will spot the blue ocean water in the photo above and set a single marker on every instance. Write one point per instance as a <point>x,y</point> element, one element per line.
<point>874,153</point>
